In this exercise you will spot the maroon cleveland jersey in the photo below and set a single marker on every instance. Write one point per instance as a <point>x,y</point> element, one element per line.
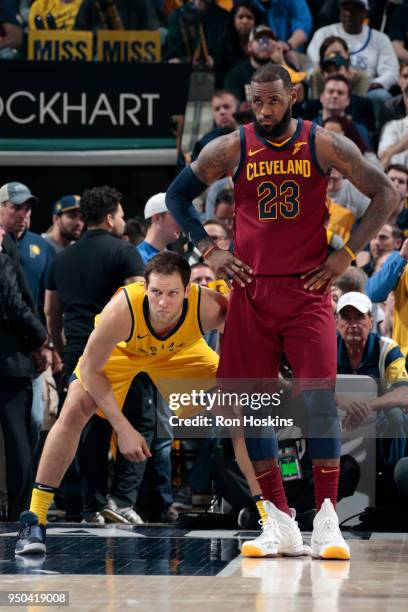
<point>280,203</point>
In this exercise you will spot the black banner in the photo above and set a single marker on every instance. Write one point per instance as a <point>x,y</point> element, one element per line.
<point>91,100</point>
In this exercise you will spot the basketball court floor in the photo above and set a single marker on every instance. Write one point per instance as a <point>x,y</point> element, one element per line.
<point>164,569</point>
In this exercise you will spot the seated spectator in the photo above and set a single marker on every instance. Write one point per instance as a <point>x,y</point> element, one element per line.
<point>53,14</point>
<point>399,176</point>
<point>11,30</point>
<point>134,232</point>
<point>335,58</point>
<point>360,351</point>
<point>370,50</point>
<point>343,125</point>
<point>335,100</point>
<point>397,106</point>
<point>195,33</point>
<point>243,17</point>
<point>224,208</point>
<point>388,239</point>
<point>360,109</point>
<point>162,229</point>
<point>263,48</point>
<point>393,145</point>
<point>125,15</point>
<point>289,19</point>
<point>68,223</point>
<point>397,30</point>
<point>393,277</point>
<point>224,105</point>
<point>354,279</point>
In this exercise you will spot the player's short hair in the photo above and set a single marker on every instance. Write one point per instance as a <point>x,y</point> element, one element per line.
<point>353,279</point>
<point>98,202</point>
<point>272,72</point>
<point>168,263</point>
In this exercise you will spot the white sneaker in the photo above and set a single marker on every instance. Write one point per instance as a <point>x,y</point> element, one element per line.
<point>94,518</point>
<point>280,536</point>
<point>327,540</point>
<point>112,513</point>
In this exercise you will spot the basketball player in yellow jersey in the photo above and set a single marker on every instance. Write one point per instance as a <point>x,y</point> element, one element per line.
<point>155,327</point>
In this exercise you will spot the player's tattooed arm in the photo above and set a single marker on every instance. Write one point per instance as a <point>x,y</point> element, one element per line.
<point>336,151</point>
<point>217,158</point>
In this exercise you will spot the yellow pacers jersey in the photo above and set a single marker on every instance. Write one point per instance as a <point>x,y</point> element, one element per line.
<point>176,363</point>
<point>144,343</point>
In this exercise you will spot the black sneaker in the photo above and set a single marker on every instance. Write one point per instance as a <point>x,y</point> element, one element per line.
<point>31,536</point>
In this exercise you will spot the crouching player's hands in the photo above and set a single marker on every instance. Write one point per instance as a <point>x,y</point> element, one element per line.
<point>132,444</point>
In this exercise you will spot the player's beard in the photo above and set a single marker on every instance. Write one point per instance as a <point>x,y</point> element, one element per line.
<point>277,130</point>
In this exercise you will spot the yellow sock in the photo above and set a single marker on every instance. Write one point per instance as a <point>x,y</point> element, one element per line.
<point>40,503</point>
<point>261,510</point>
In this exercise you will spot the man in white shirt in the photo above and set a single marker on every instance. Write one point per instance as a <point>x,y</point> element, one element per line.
<point>370,50</point>
<point>393,146</point>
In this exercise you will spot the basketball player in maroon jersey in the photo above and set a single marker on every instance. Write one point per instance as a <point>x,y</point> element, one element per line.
<point>282,276</point>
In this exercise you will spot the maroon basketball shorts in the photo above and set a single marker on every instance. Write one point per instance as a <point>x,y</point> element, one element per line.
<point>276,314</point>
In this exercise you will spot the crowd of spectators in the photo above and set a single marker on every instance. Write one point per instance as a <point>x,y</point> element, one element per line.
<point>350,71</point>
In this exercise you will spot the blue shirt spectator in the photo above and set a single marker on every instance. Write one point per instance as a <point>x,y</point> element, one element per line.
<point>287,17</point>
<point>146,251</point>
<point>36,256</point>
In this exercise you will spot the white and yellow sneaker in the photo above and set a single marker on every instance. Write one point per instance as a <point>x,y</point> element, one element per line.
<point>280,536</point>
<point>327,540</point>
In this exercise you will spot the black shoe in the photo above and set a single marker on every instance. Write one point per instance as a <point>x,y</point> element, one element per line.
<point>31,536</point>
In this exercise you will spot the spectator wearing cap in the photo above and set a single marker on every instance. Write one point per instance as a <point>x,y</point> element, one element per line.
<point>370,50</point>
<point>331,48</point>
<point>291,20</point>
<point>36,255</point>
<point>263,47</point>
<point>224,105</point>
<point>362,352</point>
<point>68,223</point>
<point>11,30</point>
<point>162,228</point>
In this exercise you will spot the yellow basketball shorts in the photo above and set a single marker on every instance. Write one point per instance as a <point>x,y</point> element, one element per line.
<point>193,368</point>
